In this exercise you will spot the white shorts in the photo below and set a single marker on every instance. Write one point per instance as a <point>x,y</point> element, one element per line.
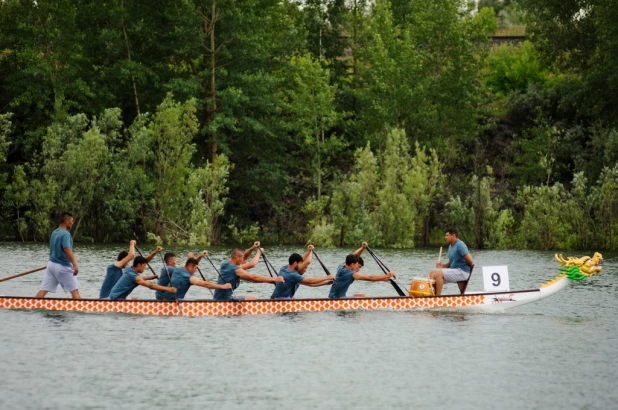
<point>454,275</point>
<point>59,274</point>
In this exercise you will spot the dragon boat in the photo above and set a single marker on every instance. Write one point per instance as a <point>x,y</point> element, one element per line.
<point>571,270</point>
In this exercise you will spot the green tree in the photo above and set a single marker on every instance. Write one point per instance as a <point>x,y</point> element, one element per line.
<point>308,100</point>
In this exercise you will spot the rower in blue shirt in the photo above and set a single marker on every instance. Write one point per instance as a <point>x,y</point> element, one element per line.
<point>234,270</point>
<point>184,278</point>
<point>115,270</point>
<point>348,273</point>
<point>132,279</point>
<point>293,276</point>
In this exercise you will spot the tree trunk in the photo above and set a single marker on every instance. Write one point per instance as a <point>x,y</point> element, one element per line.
<point>213,88</point>
<point>126,42</point>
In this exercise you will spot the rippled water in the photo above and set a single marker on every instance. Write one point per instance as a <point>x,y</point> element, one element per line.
<point>559,353</point>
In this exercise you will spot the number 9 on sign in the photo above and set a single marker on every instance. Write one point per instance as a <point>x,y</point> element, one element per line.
<point>496,278</point>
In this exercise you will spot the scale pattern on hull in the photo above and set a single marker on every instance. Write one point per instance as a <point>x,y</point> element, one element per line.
<point>234,308</point>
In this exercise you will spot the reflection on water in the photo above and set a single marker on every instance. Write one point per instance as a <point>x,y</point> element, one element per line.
<point>558,353</point>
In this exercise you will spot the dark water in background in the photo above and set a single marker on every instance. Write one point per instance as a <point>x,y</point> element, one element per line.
<point>559,353</point>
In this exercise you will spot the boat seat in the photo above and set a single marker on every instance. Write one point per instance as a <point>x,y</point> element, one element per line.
<point>464,283</point>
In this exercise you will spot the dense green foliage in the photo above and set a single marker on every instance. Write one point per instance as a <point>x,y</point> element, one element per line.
<point>335,121</point>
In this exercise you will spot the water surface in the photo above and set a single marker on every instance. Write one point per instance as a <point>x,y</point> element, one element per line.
<point>558,353</point>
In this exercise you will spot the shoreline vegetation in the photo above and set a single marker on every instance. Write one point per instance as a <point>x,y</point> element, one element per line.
<point>331,122</point>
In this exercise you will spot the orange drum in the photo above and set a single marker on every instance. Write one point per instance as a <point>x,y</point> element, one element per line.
<point>422,287</point>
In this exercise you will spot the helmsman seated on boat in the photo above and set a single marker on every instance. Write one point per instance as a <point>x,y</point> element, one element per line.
<point>348,273</point>
<point>293,276</point>
<point>184,278</point>
<point>457,269</point>
<point>132,279</point>
<point>233,271</point>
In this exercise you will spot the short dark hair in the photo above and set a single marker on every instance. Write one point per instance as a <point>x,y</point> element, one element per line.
<point>65,216</point>
<point>122,255</point>
<point>361,261</point>
<point>453,231</point>
<point>237,252</point>
<point>168,256</point>
<point>191,262</point>
<point>350,259</point>
<point>295,257</point>
<point>139,260</point>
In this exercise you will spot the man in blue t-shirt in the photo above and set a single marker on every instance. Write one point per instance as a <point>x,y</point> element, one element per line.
<point>62,266</point>
<point>348,273</point>
<point>234,270</point>
<point>457,269</point>
<point>115,270</point>
<point>293,276</point>
<point>167,272</point>
<point>184,278</point>
<point>131,279</point>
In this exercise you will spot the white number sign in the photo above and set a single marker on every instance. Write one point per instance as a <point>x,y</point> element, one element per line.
<point>496,278</point>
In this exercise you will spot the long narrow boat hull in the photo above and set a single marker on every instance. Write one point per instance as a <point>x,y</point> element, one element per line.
<point>478,302</point>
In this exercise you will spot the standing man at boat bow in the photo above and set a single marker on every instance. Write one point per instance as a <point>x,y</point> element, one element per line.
<point>293,276</point>
<point>62,266</point>
<point>457,268</point>
<point>233,271</point>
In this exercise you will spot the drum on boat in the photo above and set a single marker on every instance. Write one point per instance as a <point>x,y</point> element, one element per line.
<point>422,287</point>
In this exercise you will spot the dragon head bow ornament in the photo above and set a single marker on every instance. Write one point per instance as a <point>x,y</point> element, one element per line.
<point>579,268</point>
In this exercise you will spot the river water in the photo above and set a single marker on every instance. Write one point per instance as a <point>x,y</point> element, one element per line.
<point>558,353</point>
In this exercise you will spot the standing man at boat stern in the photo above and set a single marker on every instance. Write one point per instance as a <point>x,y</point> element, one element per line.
<point>233,271</point>
<point>62,266</point>
<point>457,268</point>
<point>293,276</point>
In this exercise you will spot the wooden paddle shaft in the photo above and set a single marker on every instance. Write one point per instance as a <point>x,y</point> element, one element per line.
<point>440,255</point>
<point>23,273</point>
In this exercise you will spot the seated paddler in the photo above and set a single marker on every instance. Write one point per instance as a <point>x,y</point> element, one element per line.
<point>348,273</point>
<point>184,278</point>
<point>167,272</point>
<point>116,270</point>
<point>233,271</point>
<point>293,276</point>
<point>131,279</point>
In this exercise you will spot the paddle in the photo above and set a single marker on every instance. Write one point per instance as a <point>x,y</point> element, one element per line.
<point>217,270</point>
<point>440,255</point>
<point>23,273</point>
<point>386,270</point>
<point>204,279</point>
<point>321,264</point>
<point>267,262</point>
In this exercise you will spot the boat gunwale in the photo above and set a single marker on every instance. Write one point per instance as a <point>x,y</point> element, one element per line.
<point>275,300</point>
